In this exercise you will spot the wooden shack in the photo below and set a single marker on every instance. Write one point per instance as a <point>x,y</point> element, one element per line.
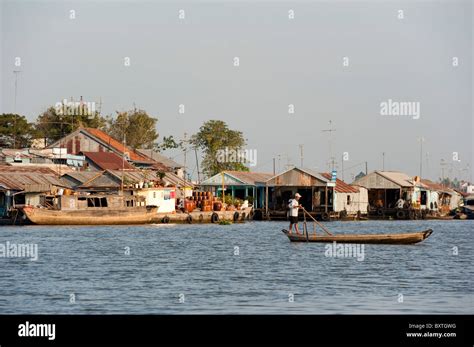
<point>316,190</point>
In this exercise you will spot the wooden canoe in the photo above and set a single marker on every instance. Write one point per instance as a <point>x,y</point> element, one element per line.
<point>396,239</point>
<point>91,216</point>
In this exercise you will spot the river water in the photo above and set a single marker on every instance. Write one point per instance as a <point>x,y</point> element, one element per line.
<point>248,268</point>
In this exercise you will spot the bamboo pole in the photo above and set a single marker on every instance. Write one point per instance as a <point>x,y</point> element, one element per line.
<point>315,221</point>
<point>305,228</point>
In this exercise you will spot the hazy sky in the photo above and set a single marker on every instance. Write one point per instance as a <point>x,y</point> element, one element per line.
<point>282,61</point>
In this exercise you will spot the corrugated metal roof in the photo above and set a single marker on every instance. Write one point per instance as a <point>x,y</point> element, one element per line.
<point>21,153</point>
<point>177,181</point>
<point>136,176</point>
<point>249,177</point>
<point>26,169</point>
<point>20,180</point>
<point>56,168</point>
<point>436,186</point>
<point>108,160</point>
<point>312,173</point>
<point>160,158</point>
<point>117,145</point>
<point>399,178</point>
<point>341,186</point>
<point>113,178</point>
<point>96,179</point>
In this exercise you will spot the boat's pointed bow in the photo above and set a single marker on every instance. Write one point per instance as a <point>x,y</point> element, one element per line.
<point>427,233</point>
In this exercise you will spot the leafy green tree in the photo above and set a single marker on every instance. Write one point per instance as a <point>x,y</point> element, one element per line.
<point>213,138</point>
<point>15,131</point>
<point>168,142</point>
<point>447,182</point>
<point>137,126</point>
<point>54,123</point>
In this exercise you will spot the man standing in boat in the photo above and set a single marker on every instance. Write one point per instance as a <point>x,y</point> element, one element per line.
<point>294,206</point>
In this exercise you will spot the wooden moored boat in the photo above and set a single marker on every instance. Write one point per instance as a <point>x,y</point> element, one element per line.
<point>90,210</point>
<point>397,239</point>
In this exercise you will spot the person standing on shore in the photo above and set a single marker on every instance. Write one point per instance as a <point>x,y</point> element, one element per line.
<point>294,206</point>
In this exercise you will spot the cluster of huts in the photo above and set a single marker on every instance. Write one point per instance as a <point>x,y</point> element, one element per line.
<point>375,195</point>
<point>88,161</point>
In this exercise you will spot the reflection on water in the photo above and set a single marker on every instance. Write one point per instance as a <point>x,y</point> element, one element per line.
<point>242,268</point>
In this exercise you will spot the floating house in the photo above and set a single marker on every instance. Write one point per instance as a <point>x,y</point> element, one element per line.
<point>348,199</point>
<point>386,187</point>
<point>421,196</point>
<point>440,198</point>
<point>25,185</point>
<point>95,140</point>
<point>316,190</point>
<point>320,193</point>
<point>161,192</point>
<point>239,184</point>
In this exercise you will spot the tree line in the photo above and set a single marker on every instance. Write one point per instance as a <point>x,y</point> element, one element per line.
<point>135,127</point>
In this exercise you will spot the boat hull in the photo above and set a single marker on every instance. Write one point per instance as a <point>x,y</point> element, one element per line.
<point>92,216</point>
<point>397,239</point>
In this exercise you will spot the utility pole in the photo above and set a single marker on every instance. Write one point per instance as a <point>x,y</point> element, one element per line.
<point>383,161</point>
<point>184,145</point>
<point>421,139</point>
<point>366,172</point>
<point>330,131</point>
<point>274,173</point>
<point>197,164</point>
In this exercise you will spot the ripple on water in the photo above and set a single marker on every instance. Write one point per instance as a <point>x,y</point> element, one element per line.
<point>270,275</point>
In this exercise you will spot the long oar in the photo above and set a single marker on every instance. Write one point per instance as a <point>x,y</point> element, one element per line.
<point>322,226</point>
<point>305,228</point>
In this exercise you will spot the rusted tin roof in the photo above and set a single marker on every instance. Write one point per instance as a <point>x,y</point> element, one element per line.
<point>108,161</point>
<point>341,186</point>
<point>425,183</point>
<point>117,145</point>
<point>20,153</point>
<point>23,180</point>
<point>26,169</point>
